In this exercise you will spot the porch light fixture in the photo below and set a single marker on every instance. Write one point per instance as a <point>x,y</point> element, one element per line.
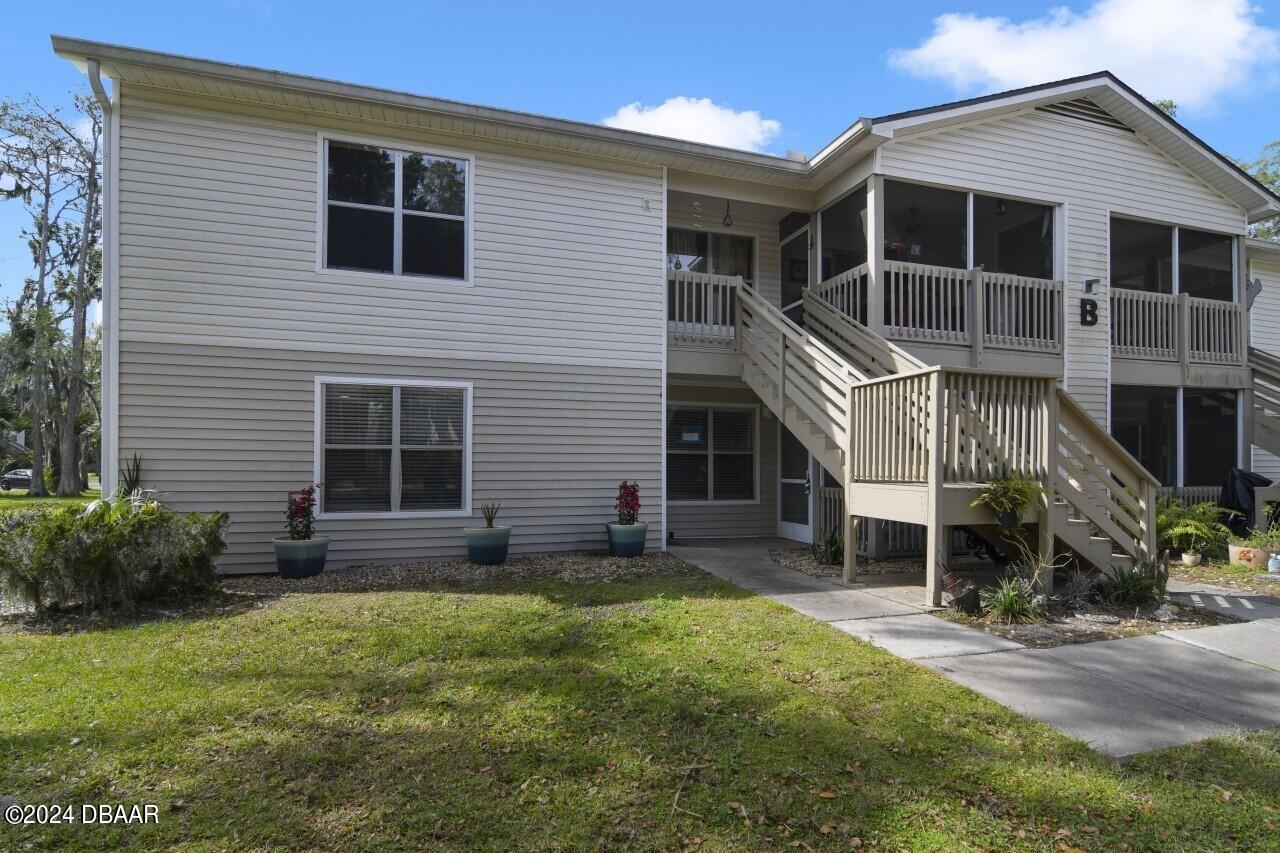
<point>728,217</point>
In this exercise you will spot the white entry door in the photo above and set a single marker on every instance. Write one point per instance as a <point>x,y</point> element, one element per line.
<point>795,490</point>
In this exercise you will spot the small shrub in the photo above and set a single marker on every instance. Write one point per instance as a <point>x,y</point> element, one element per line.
<point>1011,495</point>
<point>110,556</point>
<point>131,475</point>
<point>1078,589</point>
<point>300,515</point>
<point>490,513</point>
<point>830,548</point>
<point>1136,586</point>
<point>1011,600</point>
<point>1198,528</point>
<point>628,503</point>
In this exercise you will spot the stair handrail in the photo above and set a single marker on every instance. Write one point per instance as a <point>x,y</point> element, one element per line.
<point>797,335</point>
<point>878,347</point>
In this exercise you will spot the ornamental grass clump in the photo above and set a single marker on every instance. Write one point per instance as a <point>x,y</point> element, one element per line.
<point>110,556</point>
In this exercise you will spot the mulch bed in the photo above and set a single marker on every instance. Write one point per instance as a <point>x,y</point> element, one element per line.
<point>383,577</point>
<point>802,560</point>
<point>1090,626</point>
<point>245,592</point>
<point>1223,574</point>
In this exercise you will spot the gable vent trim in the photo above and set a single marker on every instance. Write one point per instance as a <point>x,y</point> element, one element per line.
<point>1084,109</point>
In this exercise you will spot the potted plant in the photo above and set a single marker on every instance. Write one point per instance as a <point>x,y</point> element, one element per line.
<point>627,536</point>
<point>1196,530</point>
<point>1253,551</point>
<point>1008,498</point>
<point>487,546</point>
<point>302,553</point>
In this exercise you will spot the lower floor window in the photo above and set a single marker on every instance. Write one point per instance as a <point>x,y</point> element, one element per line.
<point>711,453</point>
<point>393,446</point>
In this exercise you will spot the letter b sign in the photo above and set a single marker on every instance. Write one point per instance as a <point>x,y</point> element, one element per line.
<point>1088,312</point>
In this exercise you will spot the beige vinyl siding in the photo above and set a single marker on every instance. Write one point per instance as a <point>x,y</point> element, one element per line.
<point>692,520</point>
<point>221,428</point>
<point>218,245</point>
<point>1264,333</point>
<point>1096,171</point>
<point>765,232</point>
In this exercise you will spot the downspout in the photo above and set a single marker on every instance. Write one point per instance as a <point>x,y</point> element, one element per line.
<point>110,403</point>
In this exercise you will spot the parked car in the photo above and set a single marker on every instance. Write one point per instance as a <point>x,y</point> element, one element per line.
<point>18,478</point>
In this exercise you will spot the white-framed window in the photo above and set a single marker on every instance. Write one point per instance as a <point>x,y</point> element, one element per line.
<point>395,212</point>
<point>711,252</point>
<point>393,446</point>
<point>712,453</point>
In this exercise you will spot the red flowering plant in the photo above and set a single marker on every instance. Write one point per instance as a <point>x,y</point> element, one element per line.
<point>300,518</point>
<point>628,503</point>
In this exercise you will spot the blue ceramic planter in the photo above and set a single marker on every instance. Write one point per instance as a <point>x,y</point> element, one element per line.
<point>627,540</point>
<point>301,558</point>
<point>487,546</point>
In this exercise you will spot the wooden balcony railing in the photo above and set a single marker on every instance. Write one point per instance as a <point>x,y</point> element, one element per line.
<point>1168,327</point>
<point>701,309</point>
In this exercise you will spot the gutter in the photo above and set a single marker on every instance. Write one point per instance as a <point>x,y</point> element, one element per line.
<point>110,403</point>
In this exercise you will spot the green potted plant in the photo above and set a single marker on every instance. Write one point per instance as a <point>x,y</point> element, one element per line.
<point>1195,530</point>
<point>1008,498</point>
<point>627,536</point>
<point>302,553</point>
<point>487,546</point>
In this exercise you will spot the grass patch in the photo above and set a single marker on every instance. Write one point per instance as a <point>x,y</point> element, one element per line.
<point>17,499</point>
<point>643,713</point>
<point>1221,573</point>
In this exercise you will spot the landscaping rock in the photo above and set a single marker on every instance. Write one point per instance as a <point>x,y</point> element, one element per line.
<point>1033,634</point>
<point>1163,613</point>
<point>1099,618</point>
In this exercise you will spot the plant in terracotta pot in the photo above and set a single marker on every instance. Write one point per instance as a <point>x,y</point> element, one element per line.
<point>302,553</point>
<point>487,546</point>
<point>627,535</point>
<point>1008,498</point>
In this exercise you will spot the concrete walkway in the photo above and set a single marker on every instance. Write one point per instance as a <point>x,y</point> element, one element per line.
<point>1120,696</point>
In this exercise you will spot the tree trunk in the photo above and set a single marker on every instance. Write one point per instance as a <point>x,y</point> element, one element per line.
<point>69,464</point>
<point>39,355</point>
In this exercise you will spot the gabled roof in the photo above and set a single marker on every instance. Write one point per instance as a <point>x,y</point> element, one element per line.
<point>277,89</point>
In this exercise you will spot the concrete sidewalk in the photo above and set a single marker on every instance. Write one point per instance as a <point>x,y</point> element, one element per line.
<point>1120,696</point>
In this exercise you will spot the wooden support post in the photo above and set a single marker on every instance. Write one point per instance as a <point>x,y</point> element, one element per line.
<point>1044,549</point>
<point>978,323</point>
<point>1184,335</point>
<point>876,283</point>
<point>850,544</point>
<point>1049,466</point>
<point>938,535</point>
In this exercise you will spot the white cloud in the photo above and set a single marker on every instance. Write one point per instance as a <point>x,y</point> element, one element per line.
<point>1192,51</point>
<point>699,120</point>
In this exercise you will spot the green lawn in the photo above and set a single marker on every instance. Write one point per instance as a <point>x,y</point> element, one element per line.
<point>17,499</point>
<point>639,714</point>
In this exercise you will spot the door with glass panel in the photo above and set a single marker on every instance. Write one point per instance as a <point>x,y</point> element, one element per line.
<point>795,273</point>
<point>795,498</point>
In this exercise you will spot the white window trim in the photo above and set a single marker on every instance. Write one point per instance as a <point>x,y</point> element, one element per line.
<point>322,210</point>
<point>317,466</point>
<point>755,450</point>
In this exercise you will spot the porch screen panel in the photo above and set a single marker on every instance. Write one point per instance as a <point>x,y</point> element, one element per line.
<point>1141,255</point>
<point>1211,441</point>
<point>1204,264</point>
<point>843,229</point>
<point>1145,421</point>
<point>926,225</point>
<point>1014,237</point>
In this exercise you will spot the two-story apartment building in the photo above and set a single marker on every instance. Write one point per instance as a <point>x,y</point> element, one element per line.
<point>426,305</point>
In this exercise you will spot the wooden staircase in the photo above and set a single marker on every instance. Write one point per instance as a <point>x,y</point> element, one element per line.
<point>917,443</point>
<point>1266,400</point>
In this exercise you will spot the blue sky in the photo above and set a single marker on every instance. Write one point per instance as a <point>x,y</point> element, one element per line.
<point>773,76</point>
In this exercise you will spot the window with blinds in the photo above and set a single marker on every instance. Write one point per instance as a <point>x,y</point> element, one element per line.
<point>393,448</point>
<point>711,454</point>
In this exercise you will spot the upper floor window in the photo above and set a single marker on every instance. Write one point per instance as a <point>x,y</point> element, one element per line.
<point>702,251</point>
<point>397,212</point>
<point>843,231</point>
<point>1205,264</point>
